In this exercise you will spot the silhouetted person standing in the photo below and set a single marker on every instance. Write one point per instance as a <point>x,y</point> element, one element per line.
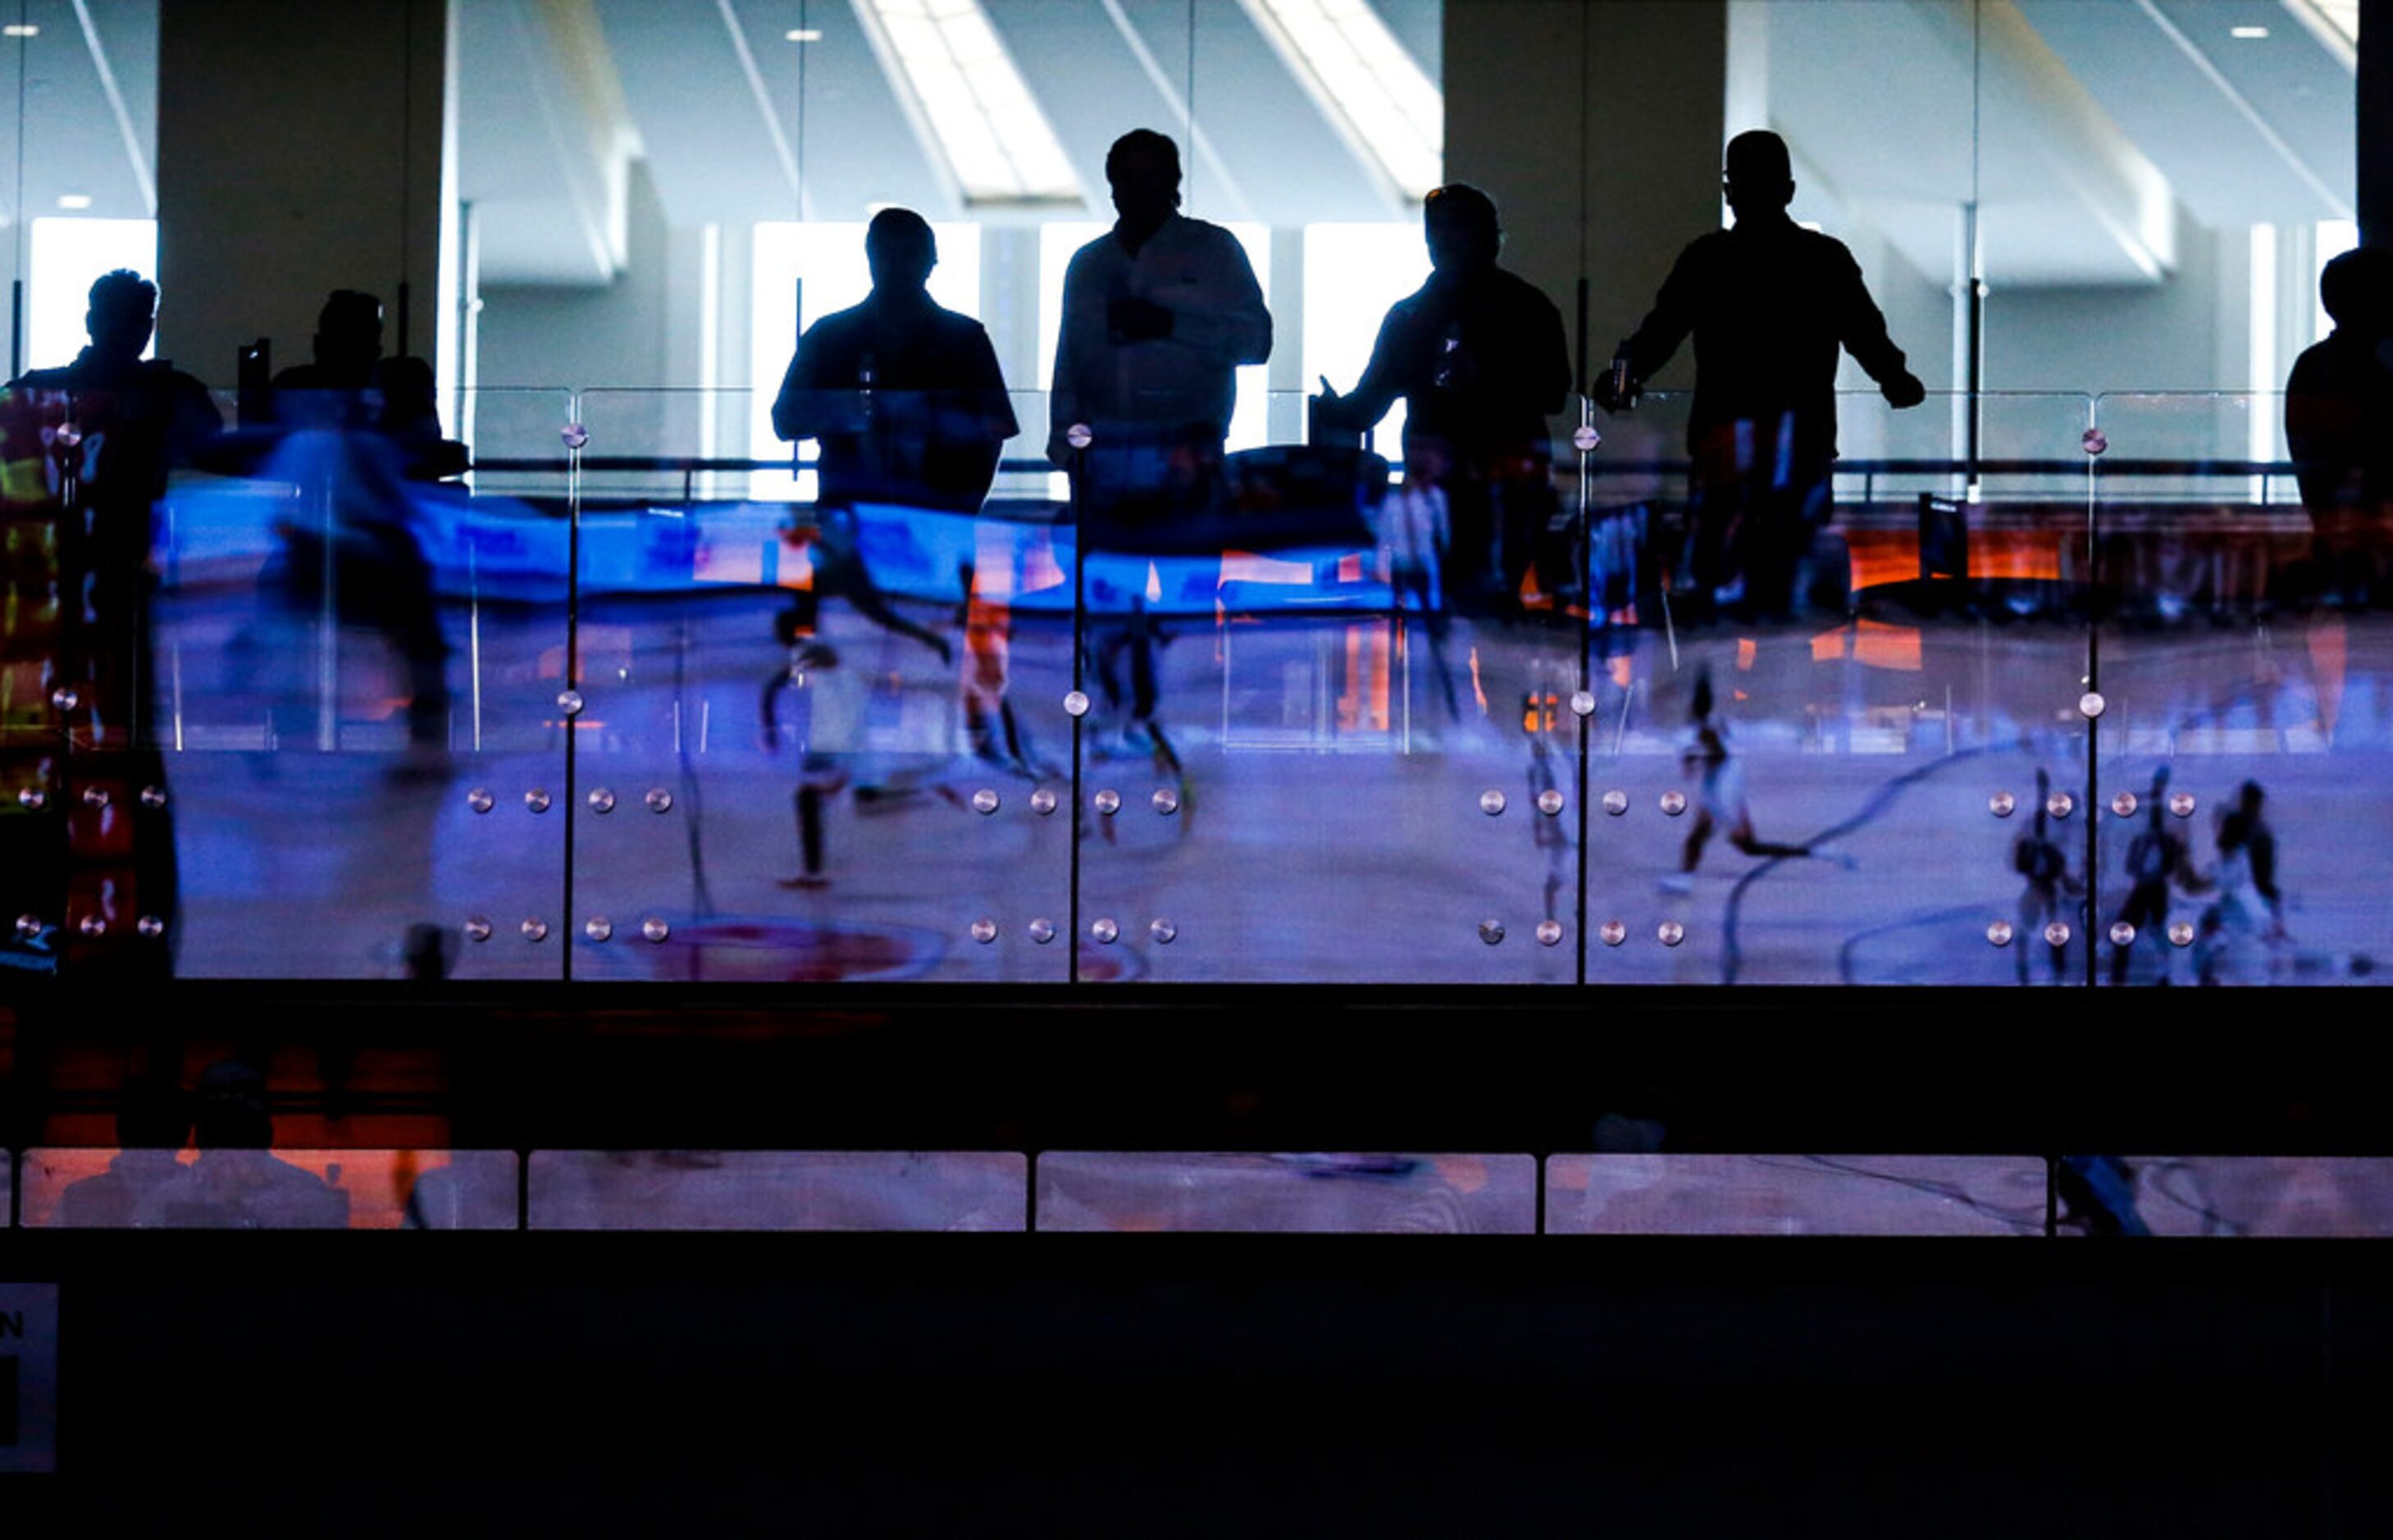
<point>1159,315</point>
<point>905,397</point>
<point>2339,420</point>
<point>1769,303</point>
<point>90,445</point>
<point>909,405</point>
<point>348,383</point>
<point>1479,358</point>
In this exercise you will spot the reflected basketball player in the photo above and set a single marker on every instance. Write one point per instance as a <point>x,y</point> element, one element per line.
<point>1720,797</point>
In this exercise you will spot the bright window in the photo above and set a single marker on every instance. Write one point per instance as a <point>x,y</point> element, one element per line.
<point>67,254</point>
<point>1352,273</point>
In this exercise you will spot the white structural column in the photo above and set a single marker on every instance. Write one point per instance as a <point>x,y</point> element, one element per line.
<point>303,147</point>
<point>1597,127</point>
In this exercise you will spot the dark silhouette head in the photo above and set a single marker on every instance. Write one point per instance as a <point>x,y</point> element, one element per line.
<point>2249,798</point>
<point>1143,167</point>
<point>229,1109</point>
<point>901,251</point>
<point>348,334</point>
<point>123,312</point>
<point>1463,231</point>
<point>2357,289</point>
<point>1759,178</point>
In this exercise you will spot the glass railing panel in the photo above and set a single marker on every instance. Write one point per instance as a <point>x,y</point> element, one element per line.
<point>2330,1196</point>
<point>1822,701</point>
<point>2243,740</point>
<point>346,675</point>
<point>1329,735</point>
<point>132,1189</point>
<point>1791,1194</point>
<point>1330,1194</point>
<point>824,735</point>
<point>778,1190</point>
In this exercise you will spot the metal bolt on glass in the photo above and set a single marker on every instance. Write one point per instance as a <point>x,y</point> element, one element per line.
<point>1613,932</point>
<point>481,800</point>
<point>2180,932</point>
<point>477,929</point>
<point>1077,703</point>
<point>1616,803</point>
<point>150,926</point>
<point>2002,804</point>
<point>1043,802</point>
<point>2124,805</point>
<point>2123,934</point>
<point>1105,931</point>
<point>537,800</point>
<point>2057,933</point>
<point>2095,441</point>
<point>1674,802</point>
<point>575,435</point>
<point>660,800</point>
<point>1584,438</point>
<point>33,799</point>
<point>29,926</point>
<point>535,930</point>
<point>1549,802</point>
<point>1671,932</point>
<point>2060,805</point>
<point>569,702</point>
<point>94,925</point>
<point>602,800</point>
<point>1999,932</point>
<point>1042,930</point>
<point>153,796</point>
<point>65,699</point>
<point>1550,932</point>
<point>654,930</point>
<point>2181,804</point>
<point>1164,932</point>
<point>984,931</point>
<point>2091,705</point>
<point>1165,800</point>
<point>985,799</point>
<point>1078,435</point>
<point>1107,802</point>
<point>1582,703</point>
<point>1491,931</point>
<point>95,796</point>
<point>598,928</point>
<point>1491,801</point>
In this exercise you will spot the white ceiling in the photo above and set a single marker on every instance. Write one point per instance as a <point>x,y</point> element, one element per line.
<point>2098,119</point>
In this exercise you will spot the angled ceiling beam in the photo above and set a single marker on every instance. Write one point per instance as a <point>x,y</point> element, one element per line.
<point>2245,110</point>
<point>142,173</point>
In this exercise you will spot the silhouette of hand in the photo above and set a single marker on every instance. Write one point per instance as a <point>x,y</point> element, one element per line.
<point>1904,391</point>
<point>1613,399</point>
<point>1129,319</point>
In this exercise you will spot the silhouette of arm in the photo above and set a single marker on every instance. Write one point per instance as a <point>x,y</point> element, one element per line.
<point>792,413</point>
<point>1861,326</point>
<point>1549,378</point>
<point>1667,325</point>
<point>987,381</point>
<point>1222,315</point>
<point>1084,312</point>
<point>1395,370</point>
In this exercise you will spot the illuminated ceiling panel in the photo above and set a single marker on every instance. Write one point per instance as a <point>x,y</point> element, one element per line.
<point>969,102</point>
<point>1390,110</point>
